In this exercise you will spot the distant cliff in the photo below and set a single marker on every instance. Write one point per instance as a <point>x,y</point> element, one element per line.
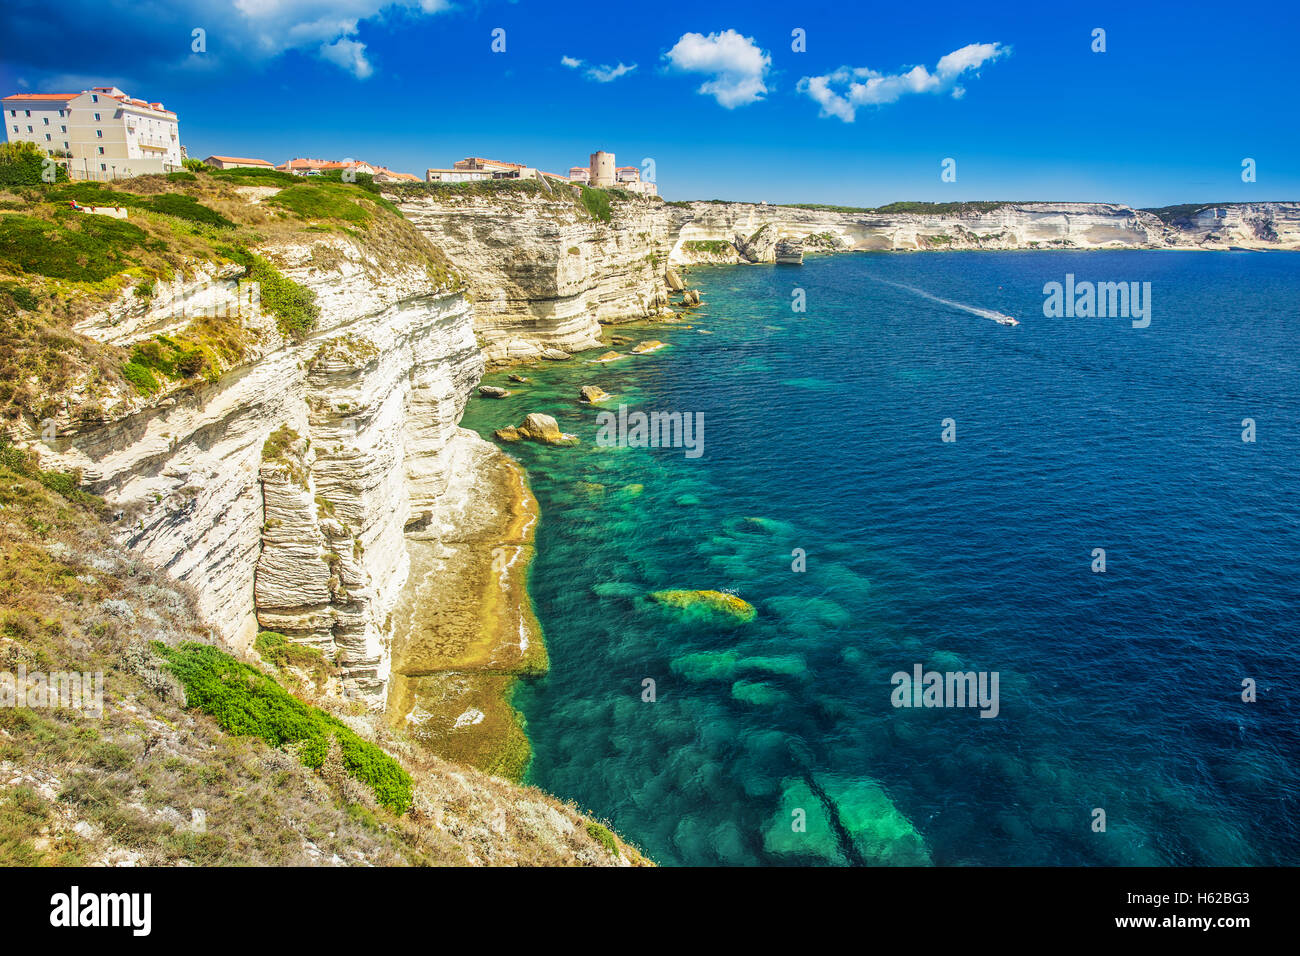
<point>752,230</point>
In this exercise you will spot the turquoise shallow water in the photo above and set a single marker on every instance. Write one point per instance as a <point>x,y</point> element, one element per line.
<point>1118,691</point>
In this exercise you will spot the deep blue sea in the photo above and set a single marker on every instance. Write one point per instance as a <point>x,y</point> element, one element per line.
<point>776,741</point>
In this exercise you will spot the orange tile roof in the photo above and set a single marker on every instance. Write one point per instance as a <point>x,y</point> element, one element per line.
<point>239,159</point>
<point>43,96</point>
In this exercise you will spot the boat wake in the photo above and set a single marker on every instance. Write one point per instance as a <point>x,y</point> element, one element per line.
<point>999,317</point>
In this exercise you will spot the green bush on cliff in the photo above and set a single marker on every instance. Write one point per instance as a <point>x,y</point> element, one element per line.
<point>596,202</point>
<point>602,836</point>
<point>246,702</point>
<point>293,305</point>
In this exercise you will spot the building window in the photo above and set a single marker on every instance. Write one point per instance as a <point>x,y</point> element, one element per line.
<point>29,129</point>
<point>47,137</point>
<point>13,112</point>
<point>28,112</point>
<point>96,117</point>
<point>103,167</point>
<point>46,120</point>
<point>101,151</point>
<point>63,129</point>
<point>94,97</point>
<point>65,144</point>
<point>99,133</point>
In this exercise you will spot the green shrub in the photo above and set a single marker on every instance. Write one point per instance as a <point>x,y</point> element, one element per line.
<point>602,836</point>
<point>23,298</point>
<point>293,305</point>
<point>280,652</point>
<point>246,702</point>
<point>276,444</point>
<point>596,202</point>
<point>140,377</point>
<point>21,164</point>
<point>181,176</point>
<point>189,209</point>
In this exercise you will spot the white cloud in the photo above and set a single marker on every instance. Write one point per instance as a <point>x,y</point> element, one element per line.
<point>607,74</point>
<point>737,65</point>
<point>272,27</point>
<point>602,73</point>
<point>348,54</point>
<point>841,92</point>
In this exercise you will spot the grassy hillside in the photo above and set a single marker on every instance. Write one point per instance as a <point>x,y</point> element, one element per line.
<point>200,758</point>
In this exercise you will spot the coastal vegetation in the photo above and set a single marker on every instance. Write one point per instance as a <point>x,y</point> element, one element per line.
<point>58,264</point>
<point>245,701</point>
<point>717,247</point>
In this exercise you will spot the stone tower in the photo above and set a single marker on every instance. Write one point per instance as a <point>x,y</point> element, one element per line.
<point>602,168</point>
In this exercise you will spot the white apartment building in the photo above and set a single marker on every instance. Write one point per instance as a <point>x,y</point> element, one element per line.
<point>100,133</point>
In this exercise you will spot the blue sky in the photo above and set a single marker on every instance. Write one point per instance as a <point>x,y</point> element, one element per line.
<point>714,93</point>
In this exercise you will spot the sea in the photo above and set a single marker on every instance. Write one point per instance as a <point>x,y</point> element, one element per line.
<point>1097,525</point>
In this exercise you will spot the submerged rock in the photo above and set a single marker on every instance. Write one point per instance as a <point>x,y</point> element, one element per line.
<point>515,377</point>
<point>556,355</point>
<point>610,357</point>
<point>650,345</point>
<point>591,394</point>
<point>716,606</point>
<point>492,391</point>
<point>539,428</point>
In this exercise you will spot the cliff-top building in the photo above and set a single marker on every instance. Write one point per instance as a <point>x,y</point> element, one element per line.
<point>237,162</point>
<point>604,174</point>
<point>600,172</point>
<point>100,133</point>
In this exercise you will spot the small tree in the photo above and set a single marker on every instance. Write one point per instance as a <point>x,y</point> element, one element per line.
<point>21,164</point>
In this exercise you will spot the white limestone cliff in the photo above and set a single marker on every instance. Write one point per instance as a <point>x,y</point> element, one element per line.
<point>310,540</point>
<point>542,271</point>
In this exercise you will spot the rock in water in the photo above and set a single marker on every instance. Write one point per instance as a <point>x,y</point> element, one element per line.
<point>517,378</point>
<point>650,345</point>
<point>714,607</point>
<point>555,355</point>
<point>591,394</point>
<point>691,297</point>
<point>674,280</point>
<point>539,428</point>
<point>610,357</point>
<point>492,391</point>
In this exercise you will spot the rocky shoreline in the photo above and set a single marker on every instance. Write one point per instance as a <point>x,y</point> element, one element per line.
<point>464,628</point>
